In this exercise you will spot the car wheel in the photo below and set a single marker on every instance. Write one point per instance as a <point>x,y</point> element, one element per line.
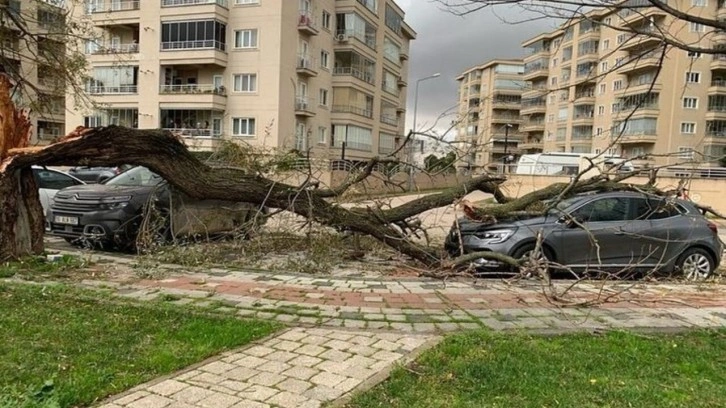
<point>526,253</point>
<point>696,264</point>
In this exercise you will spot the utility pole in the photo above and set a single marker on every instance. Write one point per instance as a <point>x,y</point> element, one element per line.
<point>412,139</point>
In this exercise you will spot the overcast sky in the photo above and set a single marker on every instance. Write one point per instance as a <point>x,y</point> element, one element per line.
<point>449,44</point>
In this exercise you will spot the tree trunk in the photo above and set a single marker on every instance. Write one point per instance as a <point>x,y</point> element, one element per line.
<point>21,215</point>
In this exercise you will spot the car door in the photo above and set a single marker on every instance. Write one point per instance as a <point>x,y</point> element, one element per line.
<point>598,234</point>
<point>50,182</point>
<point>669,229</point>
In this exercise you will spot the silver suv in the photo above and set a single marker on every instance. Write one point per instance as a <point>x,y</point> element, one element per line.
<point>604,231</point>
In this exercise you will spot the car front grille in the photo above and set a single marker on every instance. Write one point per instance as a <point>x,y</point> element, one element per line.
<point>74,204</point>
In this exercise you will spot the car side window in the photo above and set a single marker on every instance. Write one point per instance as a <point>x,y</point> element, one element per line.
<point>661,209</point>
<point>603,209</point>
<point>53,180</point>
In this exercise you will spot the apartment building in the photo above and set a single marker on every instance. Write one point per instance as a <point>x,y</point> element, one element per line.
<point>325,76</point>
<point>489,129</point>
<point>597,87</point>
<point>35,62</point>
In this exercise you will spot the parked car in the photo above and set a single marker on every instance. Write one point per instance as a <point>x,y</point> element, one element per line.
<point>50,182</point>
<point>97,174</point>
<point>111,214</point>
<point>605,231</point>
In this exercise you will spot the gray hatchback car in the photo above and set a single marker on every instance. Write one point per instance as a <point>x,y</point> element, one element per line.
<point>603,231</point>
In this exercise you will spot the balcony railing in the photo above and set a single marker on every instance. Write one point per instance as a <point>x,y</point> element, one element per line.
<point>353,109</point>
<point>303,103</point>
<point>93,7</point>
<point>390,88</point>
<point>193,45</point>
<point>172,3</point>
<point>367,39</point>
<point>718,82</point>
<point>307,21</point>
<point>193,132</point>
<point>389,119</point>
<point>362,75</point>
<point>305,62</point>
<point>193,89</point>
<point>717,108</point>
<point>110,90</point>
<point>130,48</point>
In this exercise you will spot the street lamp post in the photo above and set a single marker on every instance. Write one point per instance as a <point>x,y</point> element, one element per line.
<point>413,132</point>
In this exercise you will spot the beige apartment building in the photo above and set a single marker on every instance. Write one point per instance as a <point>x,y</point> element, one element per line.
<point>327,76</point>
<point>32,61</point>
<point>489,123</point>
<point>595,87</point>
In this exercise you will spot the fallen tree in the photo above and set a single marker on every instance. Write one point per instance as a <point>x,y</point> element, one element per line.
<point>21,225</point>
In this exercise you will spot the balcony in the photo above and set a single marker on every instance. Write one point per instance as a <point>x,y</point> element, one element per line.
<point>113,12</point>
<point>205,96</point>
<point>718,61</point>
<point>534,91</point>
<point>504,119</point>
<point>403,54</point>
<point>583,118</point>
<point>587,54</point>
<point>391,120</point>
<point>641,87</point>
<point>307,24</point>
<point>535,71</point>
<point>649,110</point>
<point>401,82</point>
<point>639,64</point>
<point>645,137</point>
<point>641,41</point>
<point>306,66</point>
<point>506,104</point>
<point>197,52</point>
<point>533,126</point>
<point>528,109</point>
<point>195,132</point>
<point>584,98</point>
<point>174,3</point>
<point>718,86</point>
<point>716,112</point>
<point>531,146</point>
<point>356,110</point>
<point>304,106</point>
<point>113,90</point>
<point>640,13</point>
<point>356,73</point>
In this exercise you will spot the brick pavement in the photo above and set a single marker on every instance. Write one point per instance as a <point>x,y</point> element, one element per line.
<point>299,368</point>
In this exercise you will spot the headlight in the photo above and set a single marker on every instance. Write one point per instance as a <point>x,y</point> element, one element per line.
<point>495,236</point>
<point>114,206</point>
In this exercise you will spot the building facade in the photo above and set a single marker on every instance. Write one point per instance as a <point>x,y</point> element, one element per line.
<point>598,87</point>
<point>489,121</point>
<point>325,76</point>
<point>36,63</point>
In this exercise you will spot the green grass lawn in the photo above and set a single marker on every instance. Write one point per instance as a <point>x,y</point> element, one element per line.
<point>482,369</point>
<point>66,347</point>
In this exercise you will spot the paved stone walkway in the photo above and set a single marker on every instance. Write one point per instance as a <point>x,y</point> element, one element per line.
<point>300,368</point>
<point>419,305</point>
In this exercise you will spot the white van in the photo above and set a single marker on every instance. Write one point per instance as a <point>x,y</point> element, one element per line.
<point>568,164</point>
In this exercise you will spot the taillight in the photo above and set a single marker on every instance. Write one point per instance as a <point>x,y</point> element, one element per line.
<point>713,227</point>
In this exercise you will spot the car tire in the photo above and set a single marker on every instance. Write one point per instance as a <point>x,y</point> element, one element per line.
<point>695,264</point>
<point>525,252</point>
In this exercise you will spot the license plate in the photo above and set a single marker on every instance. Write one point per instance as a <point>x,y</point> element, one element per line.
<point>59,219</point>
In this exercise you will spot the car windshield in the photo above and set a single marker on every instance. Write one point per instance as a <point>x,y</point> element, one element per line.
<point>138,177</point>
<point>564,204</point>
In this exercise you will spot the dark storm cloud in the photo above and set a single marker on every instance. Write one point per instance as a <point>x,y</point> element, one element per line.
<point>450,44</point>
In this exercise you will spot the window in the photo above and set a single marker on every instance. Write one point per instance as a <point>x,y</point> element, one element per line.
<point>603,88</point>
<point>598,133</point>
<point>552,99</point>
<point>394,21</point>
<point>53,180</point>
<point>607,21</point>
<point>655,209</point>
<point>553,81</point>
<point>696,27</point>
<point>326,20</point>
<point>562,114</point>
<point>322,135</point>
<point>619,61</point>
<point>193,34</point>
<point>622,38</point>
<point>245,38</point>
<point>243,126</point>
<point>554,62</point>
<point>245,83</point>
<point>699,3</point>
<point>617,85</point>
<point>688,128</point>
<point>323,97</point>
<point>324,59</point>
<point>615,107</point>
<point>690,103</point>
<point>600,110</point>
<point>605,45</point>
<point>391,50</point>
<point>603,67</point>
<point>551,117</point>
<point>355,137</point>
<point>693,77</point>
<point>685,153</point>
<point>694,55</point>
<point>603,210</point>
